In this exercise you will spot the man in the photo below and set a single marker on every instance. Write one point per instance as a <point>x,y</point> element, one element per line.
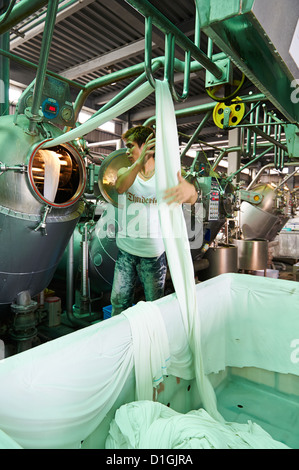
<point>140,242</point>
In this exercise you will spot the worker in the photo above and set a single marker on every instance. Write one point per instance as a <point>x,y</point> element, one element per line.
<point>139,240</point>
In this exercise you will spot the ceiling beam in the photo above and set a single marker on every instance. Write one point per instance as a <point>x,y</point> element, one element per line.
<point>106,60</point>
<point>62,14</point>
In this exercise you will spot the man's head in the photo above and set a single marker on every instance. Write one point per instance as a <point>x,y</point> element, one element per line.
<point>135,139</point>
<point>138,134</point>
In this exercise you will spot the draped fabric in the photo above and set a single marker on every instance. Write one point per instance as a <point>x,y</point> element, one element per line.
<point>175,236</point>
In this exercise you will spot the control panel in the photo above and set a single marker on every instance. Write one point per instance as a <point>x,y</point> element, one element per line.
<point>56,104</point>
<point>214,201</point>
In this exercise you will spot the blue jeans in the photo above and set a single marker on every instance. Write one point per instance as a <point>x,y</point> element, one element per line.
<point>151,272</point>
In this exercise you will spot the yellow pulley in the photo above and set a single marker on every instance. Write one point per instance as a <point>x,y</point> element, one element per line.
<point>229,115</point>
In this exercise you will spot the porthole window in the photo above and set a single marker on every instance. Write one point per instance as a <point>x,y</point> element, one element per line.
<point>57,175</point>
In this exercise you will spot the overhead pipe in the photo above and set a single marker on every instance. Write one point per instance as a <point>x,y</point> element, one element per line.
<point>133,71</point>
<point>203,108</point>
<point>269,165</point>
<point>42,66</point>
<point>166,26</point>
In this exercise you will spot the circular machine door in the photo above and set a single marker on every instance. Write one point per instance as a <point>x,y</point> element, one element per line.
<point>57,175</point>
<point>108,174</point>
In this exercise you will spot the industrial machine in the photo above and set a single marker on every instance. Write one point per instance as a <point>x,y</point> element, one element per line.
<point>41,202</point>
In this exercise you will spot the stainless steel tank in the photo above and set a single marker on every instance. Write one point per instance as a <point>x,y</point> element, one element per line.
<point>40,204</point>
<point>265,220</point>
<point>252,254</point>
<point>222,259</point>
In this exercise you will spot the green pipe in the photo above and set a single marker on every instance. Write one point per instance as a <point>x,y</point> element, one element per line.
<point>106,80</point>
<point>42,65</point>
<point>197,132</point>
<point>197,27</point>
<point>20,11</point>
<point>123,93</point>
<point>166,26</point>
<point>4,77</point>
<point>169,69</point>
<point>148,51</point>
<point>275,150</point>
<point>257,114</point>
<point>203,108</point>
<point>130,72</point>
<point>231,177</point>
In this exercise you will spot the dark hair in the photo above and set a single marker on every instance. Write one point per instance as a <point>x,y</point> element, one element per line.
<point>139,134</point>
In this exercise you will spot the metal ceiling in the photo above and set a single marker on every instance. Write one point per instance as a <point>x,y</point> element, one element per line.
<point>93,38</point>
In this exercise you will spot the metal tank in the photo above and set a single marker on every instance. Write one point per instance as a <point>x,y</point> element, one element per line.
<point>40,204</point>
<point>266,219</point>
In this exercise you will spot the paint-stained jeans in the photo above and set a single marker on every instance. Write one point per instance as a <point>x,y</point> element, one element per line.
<point>151,272</point>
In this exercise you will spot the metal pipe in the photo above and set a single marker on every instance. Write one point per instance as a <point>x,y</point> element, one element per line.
<point>19,12</point>
<point>132,71</point>
<point>27,63</point>
<point>84,277</point>
<point>203,108</point>
<point>4,77</point>
<point>269,165</point>
<point>42,66</point>
<point>70,276</point>
<point>166,26</point>
<point>231,177</point>
<point>197,132</point>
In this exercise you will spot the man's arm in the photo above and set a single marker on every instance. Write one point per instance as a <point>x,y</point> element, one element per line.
<point>126,177</point>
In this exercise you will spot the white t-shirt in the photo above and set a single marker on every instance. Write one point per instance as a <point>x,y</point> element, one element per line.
<point>139,230</point>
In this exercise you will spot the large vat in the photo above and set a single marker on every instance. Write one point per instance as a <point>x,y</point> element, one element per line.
<point>40,204</point>
<point>64,394</point>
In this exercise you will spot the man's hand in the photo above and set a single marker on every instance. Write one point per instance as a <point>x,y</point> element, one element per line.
<point>148,150</point>
<point>182,192</point>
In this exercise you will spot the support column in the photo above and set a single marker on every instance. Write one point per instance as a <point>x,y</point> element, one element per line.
<point>234,158</point>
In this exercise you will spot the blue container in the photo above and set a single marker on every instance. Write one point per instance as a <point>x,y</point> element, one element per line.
<point>107,312</point>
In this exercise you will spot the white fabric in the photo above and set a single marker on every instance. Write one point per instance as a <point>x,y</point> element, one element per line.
<point>140,232</point>
<point>95,121</point>
<point>150,347</point>
<point>149,425</point>
<point>56,394</point>
<point>52,174</point>
<point>175,236</point>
